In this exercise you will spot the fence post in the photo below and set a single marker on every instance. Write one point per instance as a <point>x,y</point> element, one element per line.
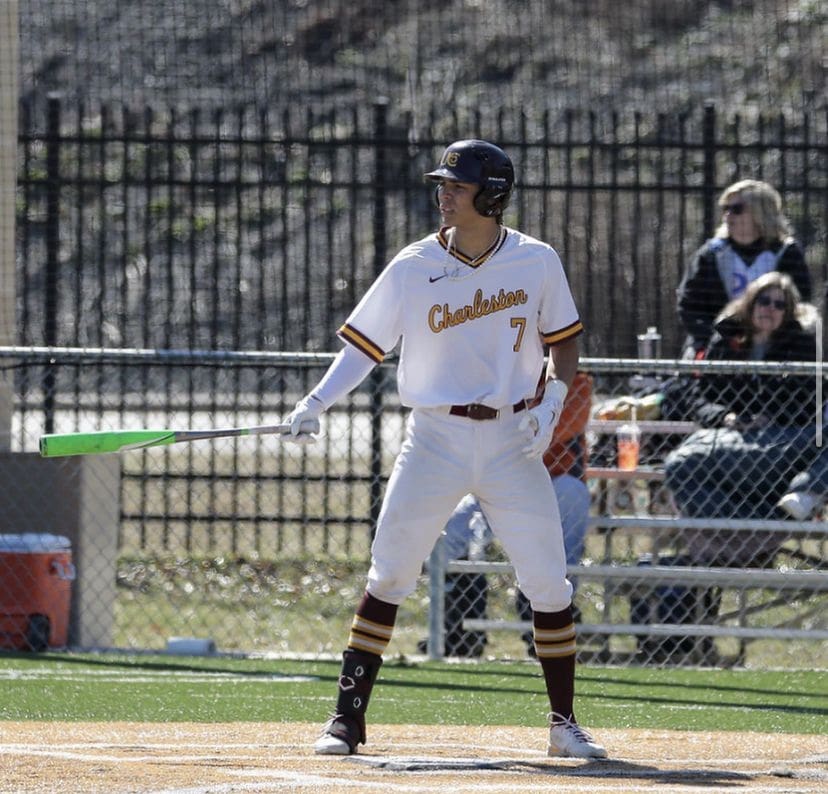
<point>436,645</point>
<point>709,188</point>
<point>377,377</point>
<point>50,292</point>
<point>9,73</point>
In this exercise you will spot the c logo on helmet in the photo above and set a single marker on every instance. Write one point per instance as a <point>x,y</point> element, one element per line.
<point>451,159</point>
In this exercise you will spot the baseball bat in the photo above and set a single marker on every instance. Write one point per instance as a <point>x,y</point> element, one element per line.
<point>58,445</point>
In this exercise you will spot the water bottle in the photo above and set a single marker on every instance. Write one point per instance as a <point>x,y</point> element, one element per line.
<point>628,441</point>
<point>649,344</point>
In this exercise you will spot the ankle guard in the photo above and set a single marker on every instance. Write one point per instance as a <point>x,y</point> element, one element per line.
<point>359,671</point>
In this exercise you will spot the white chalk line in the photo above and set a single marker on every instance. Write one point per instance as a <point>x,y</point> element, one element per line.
<point>147,676</point>
<point>80,751</point>
<point>267,780</point>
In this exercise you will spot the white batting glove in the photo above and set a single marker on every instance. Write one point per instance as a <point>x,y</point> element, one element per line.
<point>304,421</point>
<point>540,421</point>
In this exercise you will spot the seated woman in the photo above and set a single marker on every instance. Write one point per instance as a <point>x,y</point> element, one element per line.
<point>753,238</point>
<point>759,429</point>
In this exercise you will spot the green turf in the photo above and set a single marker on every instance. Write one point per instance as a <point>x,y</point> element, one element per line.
<point>96,687</point>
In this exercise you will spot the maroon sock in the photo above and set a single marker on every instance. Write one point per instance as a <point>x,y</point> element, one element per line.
<point>372,626</point>
<point>555,648</point>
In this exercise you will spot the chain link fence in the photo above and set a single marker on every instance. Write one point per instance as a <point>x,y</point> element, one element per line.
<point>685,555</point>
<point>259,546</point>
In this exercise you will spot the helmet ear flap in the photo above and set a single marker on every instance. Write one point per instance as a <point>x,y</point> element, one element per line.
<point>481,203</point>
<point>491,200</point>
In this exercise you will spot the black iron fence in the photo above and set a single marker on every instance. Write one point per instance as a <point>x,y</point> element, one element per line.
<point>257,230</point>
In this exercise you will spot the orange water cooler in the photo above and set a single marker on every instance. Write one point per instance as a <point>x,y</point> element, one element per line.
<point>36,574</point>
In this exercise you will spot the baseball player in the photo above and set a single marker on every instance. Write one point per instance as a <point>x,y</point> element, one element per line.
<point>473,307</point>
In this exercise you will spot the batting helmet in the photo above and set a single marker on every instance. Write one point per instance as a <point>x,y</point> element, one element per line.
<point>479,163</point>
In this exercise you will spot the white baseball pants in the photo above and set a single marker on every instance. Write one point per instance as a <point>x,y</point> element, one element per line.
<point>443,458</point>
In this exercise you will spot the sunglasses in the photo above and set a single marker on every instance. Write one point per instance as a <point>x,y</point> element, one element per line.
<point>765,300</point>
<point>737,208</point>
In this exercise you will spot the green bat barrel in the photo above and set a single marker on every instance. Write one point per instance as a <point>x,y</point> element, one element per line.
<point>64,444</point>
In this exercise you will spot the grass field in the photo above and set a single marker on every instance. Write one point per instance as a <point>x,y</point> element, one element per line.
<point>152,688</point>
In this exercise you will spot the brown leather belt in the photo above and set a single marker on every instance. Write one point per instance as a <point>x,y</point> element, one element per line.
<point>479,412</point>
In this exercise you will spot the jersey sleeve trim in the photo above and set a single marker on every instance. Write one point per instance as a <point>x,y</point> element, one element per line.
<point>361,342</point>
<point>570,332</point>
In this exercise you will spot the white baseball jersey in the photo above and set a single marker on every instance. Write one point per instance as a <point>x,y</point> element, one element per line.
<point>472,330</point>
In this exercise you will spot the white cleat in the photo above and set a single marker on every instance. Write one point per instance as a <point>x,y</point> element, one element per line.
<point>799,504</point>
<point>330,745</point>
<point>340,736</point>
<point>567,739</point>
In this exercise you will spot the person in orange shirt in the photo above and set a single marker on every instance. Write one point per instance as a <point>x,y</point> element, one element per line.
<point>467,532</point>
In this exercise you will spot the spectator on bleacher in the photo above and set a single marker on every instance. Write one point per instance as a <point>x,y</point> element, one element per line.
<point>758,429</point>
<point>753,238</point>
<point>467,533</point>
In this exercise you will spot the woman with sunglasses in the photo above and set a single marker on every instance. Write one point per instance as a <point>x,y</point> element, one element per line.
<point>759,429</point>
<point>753,238</point>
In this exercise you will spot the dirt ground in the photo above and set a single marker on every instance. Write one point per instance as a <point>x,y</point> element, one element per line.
<point>211,759</point>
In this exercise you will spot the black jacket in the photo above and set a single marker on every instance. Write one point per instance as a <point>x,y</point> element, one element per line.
<point>787,400</point>
<point>701,294</point>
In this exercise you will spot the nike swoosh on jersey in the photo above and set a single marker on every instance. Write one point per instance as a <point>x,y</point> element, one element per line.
<point>432,279</point>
